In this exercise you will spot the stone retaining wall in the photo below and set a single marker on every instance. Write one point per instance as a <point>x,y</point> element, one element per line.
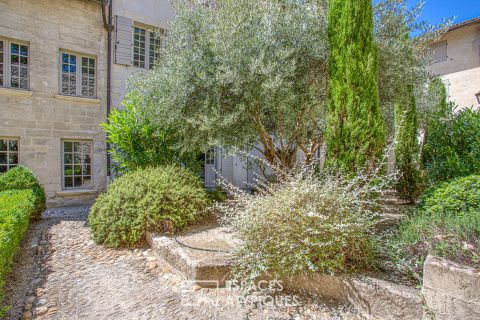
<point>451,291</point>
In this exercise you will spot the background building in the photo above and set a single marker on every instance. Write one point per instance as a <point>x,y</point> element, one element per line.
<point>456,58</point>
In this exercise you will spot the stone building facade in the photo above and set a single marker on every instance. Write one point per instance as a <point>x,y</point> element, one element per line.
<point>53,85</point>
<point>52,95</point>
<point>457,60</point>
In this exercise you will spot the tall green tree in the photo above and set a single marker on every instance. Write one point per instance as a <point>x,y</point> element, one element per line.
<point>407,155</point>
<point>355,128</point>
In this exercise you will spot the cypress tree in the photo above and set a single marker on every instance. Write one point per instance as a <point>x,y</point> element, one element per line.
<point>355,129</point>
<point>407,162</point>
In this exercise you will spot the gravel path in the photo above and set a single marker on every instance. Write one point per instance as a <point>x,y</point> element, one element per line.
<point>60,273</point>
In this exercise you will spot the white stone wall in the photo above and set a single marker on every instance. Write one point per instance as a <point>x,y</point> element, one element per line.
<point>155,13</point>
<point>39,118</point>
<point>461,70</point>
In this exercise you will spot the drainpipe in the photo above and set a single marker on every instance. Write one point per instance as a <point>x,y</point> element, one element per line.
<point>108,25</point>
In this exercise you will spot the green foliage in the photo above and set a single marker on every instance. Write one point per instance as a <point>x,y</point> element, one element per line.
<point>452,147</point>
<point>402,58</point>
<point>446,224</point>
<point>355,130</point>
<point>139,142</point>
<point>146,200</point>
<point>16,208</point>
<point>407,161</point>
<point>455,197</point>
<point>247,72</point>
<point>20,178</point>
<point>305,223</point>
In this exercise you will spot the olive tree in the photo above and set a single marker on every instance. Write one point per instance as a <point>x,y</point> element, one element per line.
<point>243,74</point>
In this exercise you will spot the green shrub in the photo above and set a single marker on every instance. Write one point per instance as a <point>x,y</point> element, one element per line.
<point>304,223</point>
<point>446,223</point>
<point>15,210</point>
<point>146,200</point>
<point>457,196</point>
<point>452,147</point>
<point>21,178</point>
<point>139,142</point>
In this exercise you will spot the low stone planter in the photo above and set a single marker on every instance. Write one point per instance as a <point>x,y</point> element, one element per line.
<point>371,296</point>
<point>451,291</point>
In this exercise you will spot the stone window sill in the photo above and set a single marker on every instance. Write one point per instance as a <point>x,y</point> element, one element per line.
<point>76,192</point>
<point>78,99</point>
<point>15,92</point>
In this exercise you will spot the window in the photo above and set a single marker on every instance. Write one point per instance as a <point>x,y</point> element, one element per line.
<point>77,164</point>
<point>439,51</point>
<point>14,60</point>
<point>8,154</point>
<point>78,75</point>
<point>139,42</point>
<point>144,39</point>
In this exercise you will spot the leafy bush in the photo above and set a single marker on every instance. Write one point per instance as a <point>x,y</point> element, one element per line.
<point>452,146</point>
<point>304,223</point>
<point>138,142</point>
<point>446,223</point>
<point>150,199</point>
<point>15,210</point>
<point>21,178</point>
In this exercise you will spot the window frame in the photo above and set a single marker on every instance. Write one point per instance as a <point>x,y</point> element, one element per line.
<point>62,152</point>
<point>436,46</point>
<point>8,152</point>
<point>7,63</point>
<point>78,77</point>
<point>149,32</point>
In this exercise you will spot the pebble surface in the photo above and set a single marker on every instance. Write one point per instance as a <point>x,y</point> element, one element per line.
<point>60,273</point>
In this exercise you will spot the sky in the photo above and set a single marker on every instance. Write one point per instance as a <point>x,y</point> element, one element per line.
<point>435,10</point>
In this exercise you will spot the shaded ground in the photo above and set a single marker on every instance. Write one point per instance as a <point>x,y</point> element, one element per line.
<point>60,273</point>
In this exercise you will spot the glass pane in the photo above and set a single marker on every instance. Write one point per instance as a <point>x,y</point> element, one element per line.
<point>24,61</point>
<point>73,59</point>
<point>86,170</point>
<point>13,158</point>
<point>14,48</point>
<point>3,158</point>
<point>3,145</point>
<point>87,182</point>
<point>77,170</point>
<point>13,145</point>
<point>3,169</point>
<point>68,158</point>
<point>68,170</point>
<point>14,59</point>
<point>23,83</point>
<point>65,58</point>
<point>67,146</point>
<point>24,50</point>
<point>14,83</point>
<point>77,182</point>
<point>68,182</point>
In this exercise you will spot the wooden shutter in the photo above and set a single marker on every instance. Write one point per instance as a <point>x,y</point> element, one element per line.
<point>440,51</point>
<point>123,40</point>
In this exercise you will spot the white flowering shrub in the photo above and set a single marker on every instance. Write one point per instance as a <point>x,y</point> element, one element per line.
<point>305,222</point>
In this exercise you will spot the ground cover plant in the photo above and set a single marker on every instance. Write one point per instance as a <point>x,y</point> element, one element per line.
<point>446,223</point>
<point>164,198</point>
<point>16,209</point>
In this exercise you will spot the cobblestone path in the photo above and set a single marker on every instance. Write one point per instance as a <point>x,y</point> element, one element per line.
<point>60,273</point>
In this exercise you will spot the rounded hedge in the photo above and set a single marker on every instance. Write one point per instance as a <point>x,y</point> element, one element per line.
<point>456,196</point>
<point>22,178</point>
<point>144,200</point>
